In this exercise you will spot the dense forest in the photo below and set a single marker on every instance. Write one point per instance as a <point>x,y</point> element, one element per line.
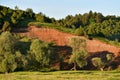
<point>23,53</point>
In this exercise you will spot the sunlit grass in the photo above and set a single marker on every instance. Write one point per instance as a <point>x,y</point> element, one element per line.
<point>63,75</point>
<point>52,26</point>
<point>107,41</point>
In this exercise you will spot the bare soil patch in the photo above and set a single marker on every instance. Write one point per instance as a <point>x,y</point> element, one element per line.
<point>62,39</point>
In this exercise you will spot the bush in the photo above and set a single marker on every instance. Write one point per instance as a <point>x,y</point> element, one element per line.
<point>97,62</point>
<point>79,31</point>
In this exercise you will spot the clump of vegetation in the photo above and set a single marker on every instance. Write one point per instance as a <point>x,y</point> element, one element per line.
<point>100,63</point>
<point>34,56</point>
<point>7,53</point>
<point>39,54</point>
<point>50,25</point>
<point>79,53</point>
<point>107,41</point>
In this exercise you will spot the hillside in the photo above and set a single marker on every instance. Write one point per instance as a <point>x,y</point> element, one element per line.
<point>62,39</point>
<point>92,25</point>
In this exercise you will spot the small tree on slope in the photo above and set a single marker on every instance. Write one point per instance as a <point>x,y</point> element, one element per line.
<point>102,62</point>
<point>79,53</point>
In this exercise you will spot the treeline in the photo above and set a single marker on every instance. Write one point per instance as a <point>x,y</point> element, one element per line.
<point>17,18</point>
<point>90,24</point>
<point>93,24</point>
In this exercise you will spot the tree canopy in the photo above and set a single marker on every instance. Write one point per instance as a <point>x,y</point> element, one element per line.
<point>79,53</point>
<point>7,52</point>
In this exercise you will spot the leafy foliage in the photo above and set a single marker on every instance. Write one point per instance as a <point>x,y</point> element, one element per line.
<point>39,55</point>
<point>21,61</point>
<point>79,31</point>
<point>19,18</point>
<point>7,57</point>
<point>79,58</point>
<point>97,62</point>
<point>40,51</point>
<point>35,56</point>
<point>102,62</point>
<point>79,53</point>
<point>6,26</point>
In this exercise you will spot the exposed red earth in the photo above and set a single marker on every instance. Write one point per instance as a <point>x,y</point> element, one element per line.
<point>62,39</point>
<point>94,47</point>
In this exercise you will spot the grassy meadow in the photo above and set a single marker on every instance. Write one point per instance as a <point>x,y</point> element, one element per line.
<point>62,75</point>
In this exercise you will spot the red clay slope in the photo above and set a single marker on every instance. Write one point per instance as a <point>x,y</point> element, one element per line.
<point>62,39</point>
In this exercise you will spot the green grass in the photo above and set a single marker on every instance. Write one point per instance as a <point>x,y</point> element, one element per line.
<point>51,25</point>
<point>62,75</point>
<point>114,43</point>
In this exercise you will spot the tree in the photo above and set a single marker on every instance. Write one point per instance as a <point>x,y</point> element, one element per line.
<point>39,18</point>
<point>21,61</point>
<point>97,62</point>
<point>102,62</point>
<point>79,53</point>
<point>7,57</point>
<point>6,26</point>
<point>99,18</point>
<point>109,60</point>
<point>40,52</point>
<point>30,11</point>
<point>79,31</point>
<point>16,8</point>
<point>8,63</point>
<point>85,19</point>
<point>14,18</point>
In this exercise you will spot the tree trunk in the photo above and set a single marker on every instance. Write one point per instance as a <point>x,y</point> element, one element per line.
<point>101,69</point>
<point>75,66</point>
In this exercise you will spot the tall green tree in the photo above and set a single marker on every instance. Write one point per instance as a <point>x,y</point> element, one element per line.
<point>40,52</point>
<point>7,57</point>
<point>79,53</point>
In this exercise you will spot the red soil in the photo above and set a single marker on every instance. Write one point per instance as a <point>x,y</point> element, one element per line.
<point>62,39</point>
<point>98,46</point>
